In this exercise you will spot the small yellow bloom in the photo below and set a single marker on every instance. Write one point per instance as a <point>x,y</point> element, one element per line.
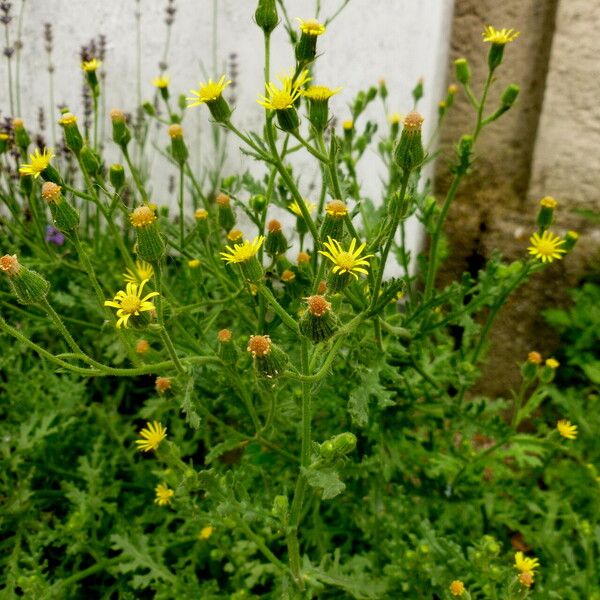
<point>524,563</point>
<point>206,532</point>
<point>235,235</point>
<point>552,363</point>
<point>336,208</point>
<point>194,263</point>
<point>395,118</point>
<point>284,97</point>
<point>68,119</point>
<point>457,588</point>
<point>152,435</point>
<point>143,270</point>
<point>143,216</point>
<point>346,261</point>
<point>201,214</point>
<point>288,276</point>
<point>303,258</point>
<point>242,252</point>
<point>175,131</point>
<point>320,93</point>
<point>161,82</point>
<point>546,247</point>
<point>295,207</point>
<point>39,162</point>
<point>4,136</point>
<point>548,202</point>
<point>142,346</point>
<point>311,26</point>
<point>208,92</point>
<point>567,429</point>
<point>89,66</point>
<point>348,125</point>
<point>499,36</point>
<point>535,358</point>
<point>163,494</point>
<point>130,302</point>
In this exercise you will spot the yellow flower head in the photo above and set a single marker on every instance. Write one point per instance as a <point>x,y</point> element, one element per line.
<point>206,532</point>
<point>535,358</point>
<point>161,82</point>
<point>143,270</point>
<point>395,119</point>
<point>348,125</point>
<point>143,216</point>
<point>194,263</point>
<point>242,252</point>
<point>284,97</point>
<point>320,93</point>
<point>546,247</point>
<point>567,429</point>
<point>89,66</point>
<point>288,276</point>
<point>552,363</point>
<point>499,36</point>
<point>68,119</point>
<point>524,563</point>
<point>163,494</point>
<point>152,435</point>
<point>39,162</point>
<point>295,207</point>
<point>208,92</point>
<point>346,261</point>
<point>311,26</point>
<point>201,214</point>
<point>130,302</point>
<point>336,208</point>
<point>235,235</point>
<point>548,202</point>
<point>457,588</point>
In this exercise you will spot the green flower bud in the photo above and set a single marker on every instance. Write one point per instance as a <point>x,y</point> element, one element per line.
<point>4,139</point>
<point>344,443</point>
<point>201,216</point>
<point>149,109</point>
<point>409,153</point>
<point>116,175</point>
<point>327,451</point>
<point>73,138</point>
<point>306,48</point>
<point>227,351</point>
<point>281,508</point>
<point>462,70</point>
<point>219,109</point>
<point>178,147</point>
<point>258,202</point>
<point>333,223</point>
<point>318,323</point>
<point>150,245</point>
<point>495,56</point>
<point>51,174</point>
<point>22,139</point>
<point>546,213</point>
<point>269,360</point>
<point>266,15</point>
<point>225,213</point>
<point>510,95</point>
<point>288,119</point>
<point>182,102</point>
<point>90,161</point>
<point>28,286</point>
<point>65,217</point>
<point>570,240</point>
<point>417,92</point>
<point>275,243</point>
<point>120,132</point>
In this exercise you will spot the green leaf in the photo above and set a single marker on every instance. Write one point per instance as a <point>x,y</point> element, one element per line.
<point>325,479</point>
<point>370,386</point>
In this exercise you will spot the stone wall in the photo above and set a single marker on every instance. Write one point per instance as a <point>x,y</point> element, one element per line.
<point>548,144</point>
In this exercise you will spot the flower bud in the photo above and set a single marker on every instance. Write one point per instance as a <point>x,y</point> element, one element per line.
<point>28,286</point>
<point>269,360</point>
<point>258,202</point>
<point>22,139</point>
<point>225,212</point>
<point>178,147</point>
<point>4,139</point>
<point>275,244</point>
<point>510,95</point>
<point>120,132</point>
<point>90,161</point>
<point>227,350</point>
<point>570,240</point>
<point>281,509</point>
<point>116,175</point>
<point>409,153</point>
<point>266,15</point>
<point>383,91</point>
<point>417,92</point>
<point>318,323</point>
<point>201,216</point>
<point>288,119</point>
<point>162,384</point>
<point>149,109</point>
<point>344,443</point>
<point>142,347</point>
<point>306,48</point>
<point>337,282</point>
<point>73,138</point>
<point>462,70</point>
<point>65,217</point>
<point>303,258</point>
<point>150,245</point>
<point>333,223</point>
<point>546,213</point>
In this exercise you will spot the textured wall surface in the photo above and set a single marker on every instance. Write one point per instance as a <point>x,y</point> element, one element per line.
<point>400,40</point>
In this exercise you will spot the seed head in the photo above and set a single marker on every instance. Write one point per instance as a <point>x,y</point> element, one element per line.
<point>50,191</point>
<point>10,265</point>
<point>142,216</point>
<point>535,358</point>
<point>162,384</point>
<point>288,276</point>
<point>142,346</point>
<point>274,226</point>
<point>259,345</point>
<point>117,115</point>
<point>318,305</point>
<point>223,200</point>
<point>224,336</point>
<point>303,258</point>
<point>413,121</point>
<point>175,130</point>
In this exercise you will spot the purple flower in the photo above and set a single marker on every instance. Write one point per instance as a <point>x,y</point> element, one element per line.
<point>54,236</point>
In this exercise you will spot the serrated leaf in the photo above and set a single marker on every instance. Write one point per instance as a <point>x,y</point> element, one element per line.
<point>325,479</point>
<point>370,386</point>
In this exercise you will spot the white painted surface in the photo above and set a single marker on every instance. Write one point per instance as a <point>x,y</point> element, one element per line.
<point>399,40</point>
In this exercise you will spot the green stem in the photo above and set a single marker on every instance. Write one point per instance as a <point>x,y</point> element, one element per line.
<point>279,310</point>
<point>181,214</point>
<point>168,342</point>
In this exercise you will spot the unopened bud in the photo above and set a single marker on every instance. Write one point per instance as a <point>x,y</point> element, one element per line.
<point>462,70</point>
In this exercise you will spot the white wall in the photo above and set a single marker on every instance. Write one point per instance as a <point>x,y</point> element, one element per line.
<point>399,40</point>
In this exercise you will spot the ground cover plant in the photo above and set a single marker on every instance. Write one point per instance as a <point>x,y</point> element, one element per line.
<point>190,410</point>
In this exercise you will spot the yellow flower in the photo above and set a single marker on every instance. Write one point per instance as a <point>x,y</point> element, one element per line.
<point>284,97</point>
<point>499,36</point>
<point>235,235</point>
<point>206,532</point>
<point>163,494</point>
<point>346,261</point>
<point>143,216</point>
<point>548,202</point>
<point>161,82</point>
<point>89,66</point>
<point>567,429</point>
<point>153,434</point>
<point>201,214</point>
<point>457,588</point>
<point>208,92</point>
<point>130,302</point>
<point>295,207</point>
<point>524,563</point>
<point>68,119</point>
<point>194,263</point>
<point>552,363</point>
<point>348,125</point>
<point>242,252</point>
<point>320,93</point>
<point>546,247</point>
<point>143,270</point>
<point>395,119</point>
<point>336,208</point>
<point>39,162</point>
<point>311,26</point>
